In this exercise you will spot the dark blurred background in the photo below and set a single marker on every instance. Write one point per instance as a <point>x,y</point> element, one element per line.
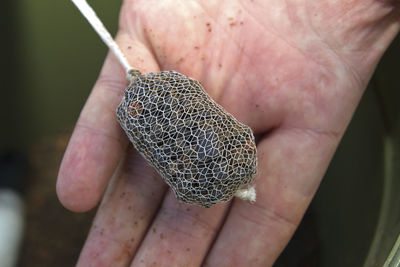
<point>51,58</point>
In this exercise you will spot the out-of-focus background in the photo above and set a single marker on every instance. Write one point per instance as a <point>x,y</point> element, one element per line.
<point>51,58</point>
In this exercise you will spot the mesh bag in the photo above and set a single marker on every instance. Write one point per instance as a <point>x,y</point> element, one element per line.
<point>203,153</point>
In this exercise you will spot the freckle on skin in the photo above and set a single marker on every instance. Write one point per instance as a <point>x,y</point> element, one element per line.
<point>187,249</point>
<point>208,24</point>
<point>232,24</point>
<point>169,251</point>
<point>154,230</point>
<point>129,47</point>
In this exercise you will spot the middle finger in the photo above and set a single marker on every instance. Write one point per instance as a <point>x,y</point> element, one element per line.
<point>128,207</point>
<point>180,235</point>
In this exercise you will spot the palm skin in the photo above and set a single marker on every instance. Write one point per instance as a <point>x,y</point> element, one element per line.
<point>294,71</point>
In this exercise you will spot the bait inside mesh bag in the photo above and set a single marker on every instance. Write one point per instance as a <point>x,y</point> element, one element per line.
<point>203,153</point>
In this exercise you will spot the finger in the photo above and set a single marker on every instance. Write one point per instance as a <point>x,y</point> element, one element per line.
<point>97,142</point>
<point>291,166</point>
<point>180,235</point>
<point>128,207</point>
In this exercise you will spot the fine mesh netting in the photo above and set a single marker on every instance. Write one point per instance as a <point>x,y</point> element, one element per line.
<point>203,153</point>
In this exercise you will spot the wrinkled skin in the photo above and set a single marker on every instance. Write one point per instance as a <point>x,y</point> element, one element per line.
<point>294,71</point>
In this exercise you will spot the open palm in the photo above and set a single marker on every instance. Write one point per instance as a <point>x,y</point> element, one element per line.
<point>294,71</point>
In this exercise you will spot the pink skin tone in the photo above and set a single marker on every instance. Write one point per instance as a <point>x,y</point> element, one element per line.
<point>294,71</point>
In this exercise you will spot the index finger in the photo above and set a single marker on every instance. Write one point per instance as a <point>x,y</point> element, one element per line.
<point>98,141</point>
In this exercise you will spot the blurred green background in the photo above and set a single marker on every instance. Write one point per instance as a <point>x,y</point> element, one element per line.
<point>51,60</point>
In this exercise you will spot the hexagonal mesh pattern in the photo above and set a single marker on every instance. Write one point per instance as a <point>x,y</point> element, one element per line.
<point>203,153</point>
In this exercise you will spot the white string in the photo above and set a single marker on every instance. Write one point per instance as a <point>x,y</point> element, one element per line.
<point>96,23</point>
<point>248,194</point>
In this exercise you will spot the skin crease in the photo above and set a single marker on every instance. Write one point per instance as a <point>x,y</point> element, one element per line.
<point>292,70</point>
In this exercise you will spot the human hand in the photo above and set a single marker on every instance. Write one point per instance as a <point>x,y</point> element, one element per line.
<point>293,71</point>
